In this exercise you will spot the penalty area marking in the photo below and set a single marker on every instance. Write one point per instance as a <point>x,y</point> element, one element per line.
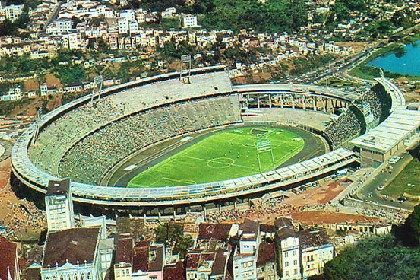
<point>220,162</point>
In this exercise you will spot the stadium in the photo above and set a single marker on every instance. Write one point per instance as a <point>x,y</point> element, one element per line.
<point>104,142</point>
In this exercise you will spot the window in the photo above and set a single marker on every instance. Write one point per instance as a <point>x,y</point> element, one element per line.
<point>295,262</point>
<point>286,254</point>
<point>294,252</point>
<point>287,273</point>
<point>286,264</point>
<point>296,271</point>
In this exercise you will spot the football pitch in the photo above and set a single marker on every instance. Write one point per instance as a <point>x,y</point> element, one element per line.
<point>225,155</point>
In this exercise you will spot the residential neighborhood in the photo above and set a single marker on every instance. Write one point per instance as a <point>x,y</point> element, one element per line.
<point>140,37</point>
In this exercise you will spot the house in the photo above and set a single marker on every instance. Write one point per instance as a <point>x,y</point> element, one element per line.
<point>9,266</point>
<point>288,249</point>
<point>13,12</point>
<point>123,268</point>
<point>245,254</point>
<point>316,250</point>
<point>45,90</point>
<point>140,261</point>
<point>72,254</point>
<point>215,236</point>
<point>59,27</point>
<point>148,258</point>
<point>189,21</point>
<point>174,271</point>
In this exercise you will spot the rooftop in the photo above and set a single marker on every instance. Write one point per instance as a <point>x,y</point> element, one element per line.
<point>174,272</point>
<point>281,222</point>
<point>266,253</point>
<point>7,258</point>
<point>124,250</point>
<point>249,229</point>
<point>313,238</point>
<point>219,265</point>
<point>390,132</point>
<point>58,187</point>
<point>141,256</point>
<point>75,245</point>
<point>285,233</point>
<point>214,231</point>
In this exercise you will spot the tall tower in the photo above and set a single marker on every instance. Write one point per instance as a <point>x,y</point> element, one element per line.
<point>59,205</point>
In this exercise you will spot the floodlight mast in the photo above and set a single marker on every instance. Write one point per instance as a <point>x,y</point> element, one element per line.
<point>185,59</point>
<point>98,82</point>
<point>37,124</point>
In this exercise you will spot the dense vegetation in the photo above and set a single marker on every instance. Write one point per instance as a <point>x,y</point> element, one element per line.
<point>395,256</point>
<point>271,16</point>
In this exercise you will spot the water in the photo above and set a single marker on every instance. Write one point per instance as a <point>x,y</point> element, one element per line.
<point>403,61</point>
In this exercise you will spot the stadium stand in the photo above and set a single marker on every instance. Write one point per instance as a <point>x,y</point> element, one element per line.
<point>344,128</point>
<point>58,136</point>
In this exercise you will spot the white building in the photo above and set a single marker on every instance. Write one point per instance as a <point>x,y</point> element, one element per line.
<point>12,95</point>
<point>246,254</point>
<point>12,12</point>
<point>287,243</point>
<point>59,27</point>
<point>130,15</point>
<point>189,21</point>
<point>315,251</point>
<point>71,41</point>
<point>59,205</point>
<point>126,26</point>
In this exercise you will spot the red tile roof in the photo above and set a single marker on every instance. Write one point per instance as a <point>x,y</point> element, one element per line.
<point>8,251</point>
<point>75,245</point>
<point>124,250</point>
<point>214,231</point>
<point>266,253</point>
<point>174,272</point>
<point>141,256</point>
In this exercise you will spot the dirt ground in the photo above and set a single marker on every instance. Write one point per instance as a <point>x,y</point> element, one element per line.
<point>314,198</point>
<point>23,220</point>
<point>326,217</point>
<point>317,195</point>
<point>6,195</point>
<point>357,46</point>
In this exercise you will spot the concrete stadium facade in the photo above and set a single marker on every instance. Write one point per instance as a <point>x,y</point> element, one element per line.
<point>32,180</point>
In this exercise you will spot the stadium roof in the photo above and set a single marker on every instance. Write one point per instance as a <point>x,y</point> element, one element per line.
<point>299,89</point>
<point>388,134</point>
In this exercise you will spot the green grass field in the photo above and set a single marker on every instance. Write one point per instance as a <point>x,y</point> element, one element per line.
<point>224,155</point>
<point>408,181</point>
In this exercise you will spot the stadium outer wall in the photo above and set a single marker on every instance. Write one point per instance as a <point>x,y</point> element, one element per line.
<point>31,182</point>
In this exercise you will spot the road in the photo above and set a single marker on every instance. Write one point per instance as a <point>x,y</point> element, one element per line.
<point>370,191</point>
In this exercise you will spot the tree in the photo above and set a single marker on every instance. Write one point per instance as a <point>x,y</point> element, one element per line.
<point>172,235</point>
<point>408,234</point>
<point>378,258</point>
